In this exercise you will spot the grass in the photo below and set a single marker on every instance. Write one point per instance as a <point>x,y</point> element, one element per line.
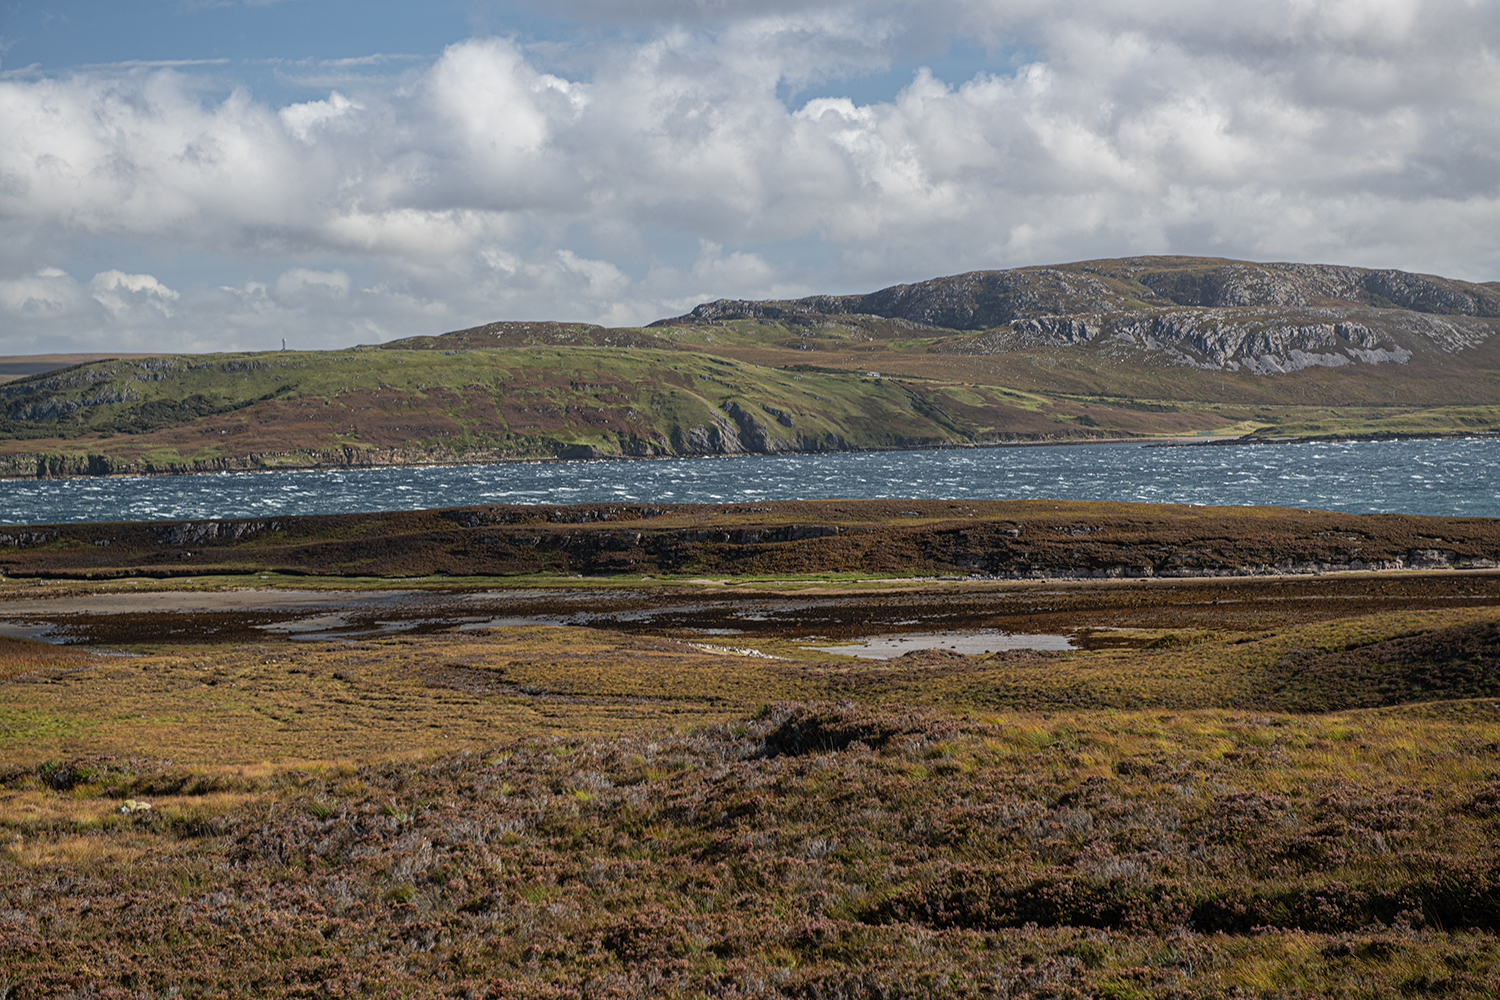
<point>290,409</point>
<point>799,850</point>
<point>545,390</point>
<point>416,695</point>
<point>1385,422</point>
<point>1240,797</point>
<point>21,656</point>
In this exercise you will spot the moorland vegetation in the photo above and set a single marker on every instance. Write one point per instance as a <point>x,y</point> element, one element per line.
<point>1003,539</point>
<point>1267,786</point>
<point>555,812</point>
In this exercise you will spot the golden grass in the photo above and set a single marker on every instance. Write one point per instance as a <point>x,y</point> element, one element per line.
<point>83,850</point>
<point>288,733</point>
<point>83,806</point>
<point>292,705</point>
<point>19,657</point>
<point>316,704</point>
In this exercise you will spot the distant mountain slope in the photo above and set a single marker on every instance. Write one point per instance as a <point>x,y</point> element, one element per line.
<point>1197,312</point>
<point>291,409</point>
<point>1129,348</point>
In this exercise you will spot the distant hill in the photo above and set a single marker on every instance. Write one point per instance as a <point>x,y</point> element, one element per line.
<point>1197,312</point>
<point>1132,348</point>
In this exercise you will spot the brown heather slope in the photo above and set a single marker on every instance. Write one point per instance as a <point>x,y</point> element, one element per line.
<point>1290,789</point>
<point>561,813</point>
<point>1012,538</point>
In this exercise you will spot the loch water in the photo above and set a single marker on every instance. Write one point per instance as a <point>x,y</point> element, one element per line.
<point>1446,476</point>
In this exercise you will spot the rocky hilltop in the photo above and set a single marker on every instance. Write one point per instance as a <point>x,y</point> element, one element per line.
<point>1138,348</point>
<point>1203,313</point>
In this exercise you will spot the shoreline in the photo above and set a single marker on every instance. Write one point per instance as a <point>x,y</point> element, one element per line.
<point>1001,540</point>
<point>1334,438</point>
<point>547,460</point>
<point>1203,441</point>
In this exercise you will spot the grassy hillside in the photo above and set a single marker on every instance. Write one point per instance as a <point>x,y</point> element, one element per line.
<point>365,406</point>
<point>1200,354</point>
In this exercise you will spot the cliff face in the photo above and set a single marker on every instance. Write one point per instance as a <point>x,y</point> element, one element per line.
<point>1230,315</point>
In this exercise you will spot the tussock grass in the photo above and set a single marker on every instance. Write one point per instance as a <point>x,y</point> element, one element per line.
<point>804,850</point>
<point>19,657</point>
<point>335,704</point>
<point>552,812</point>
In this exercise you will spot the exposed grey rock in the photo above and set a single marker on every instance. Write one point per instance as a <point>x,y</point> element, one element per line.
<point>195,532</point>
<point>717,439</point>
<point>56,407</point>
<point>754,435</point>
<point>1059,330</point>
<point>20,538</point>
<point>1212,314</point>
<point>1257,339</point>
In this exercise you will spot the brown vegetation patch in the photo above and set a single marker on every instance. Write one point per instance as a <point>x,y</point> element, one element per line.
<point>1462,661</point>
<point>512,333</point>
<point>1198,856</point>
<point>19,657</point>
<point>1007,539</point>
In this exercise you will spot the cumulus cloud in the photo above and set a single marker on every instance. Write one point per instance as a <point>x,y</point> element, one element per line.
<point>48,294</point>
<point>666,163</point>
<point>301,119</point>
<point>302,283</point>
<point>125,295</point>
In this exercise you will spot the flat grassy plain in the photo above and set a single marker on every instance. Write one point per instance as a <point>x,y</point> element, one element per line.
<point>1252,807</point>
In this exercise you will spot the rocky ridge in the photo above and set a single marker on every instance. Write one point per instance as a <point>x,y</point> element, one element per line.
<point>1204,313</point>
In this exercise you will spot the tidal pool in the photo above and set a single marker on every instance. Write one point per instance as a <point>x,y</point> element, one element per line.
<point>887,647</point>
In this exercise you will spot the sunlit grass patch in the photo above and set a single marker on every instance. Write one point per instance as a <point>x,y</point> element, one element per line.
<point>568,809</point>
<point>86,851</point>
<point>20,656</point>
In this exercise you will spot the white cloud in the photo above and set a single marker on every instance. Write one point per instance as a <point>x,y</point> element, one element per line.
<point>302,283</point>
<point>603,278</point>
<point>128,295</point>
<point>481,185</point>
<point>47,294</point>
<point>302,119</point>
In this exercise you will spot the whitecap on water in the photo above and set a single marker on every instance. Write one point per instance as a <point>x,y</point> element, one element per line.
<point>1417,477</point>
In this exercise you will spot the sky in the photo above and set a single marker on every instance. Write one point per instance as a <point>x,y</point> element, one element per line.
<point>218,175</point>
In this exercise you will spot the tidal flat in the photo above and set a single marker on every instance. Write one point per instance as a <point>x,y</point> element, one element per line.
<point>1267,785</point>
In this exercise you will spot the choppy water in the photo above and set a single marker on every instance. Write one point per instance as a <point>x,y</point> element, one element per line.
<point>1458,477</point>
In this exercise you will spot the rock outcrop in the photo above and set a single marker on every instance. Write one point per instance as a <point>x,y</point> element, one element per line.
<point>1230,315</point>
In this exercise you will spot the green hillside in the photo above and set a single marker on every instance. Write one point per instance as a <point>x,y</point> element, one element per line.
<point>1122,349</point>
<point>294,408</point>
